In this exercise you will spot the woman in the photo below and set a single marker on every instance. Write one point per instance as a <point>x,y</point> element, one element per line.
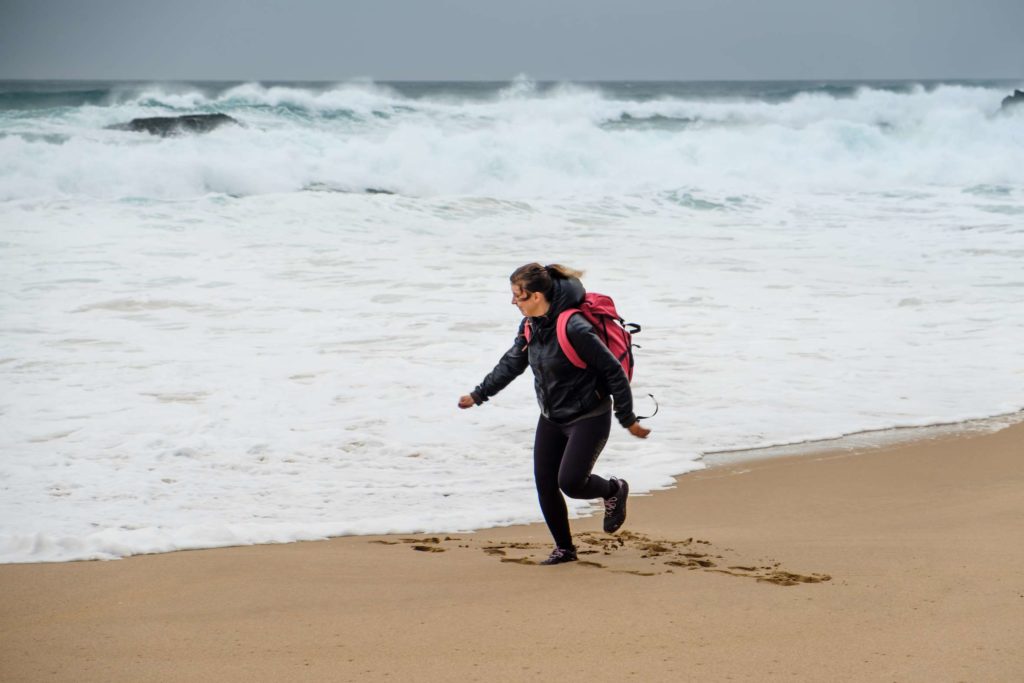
<point>575,403</point>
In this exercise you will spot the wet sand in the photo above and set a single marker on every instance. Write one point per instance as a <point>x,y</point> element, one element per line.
<point>899,563</point>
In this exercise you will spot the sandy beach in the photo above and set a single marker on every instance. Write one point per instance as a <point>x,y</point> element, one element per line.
<point>895,563</point>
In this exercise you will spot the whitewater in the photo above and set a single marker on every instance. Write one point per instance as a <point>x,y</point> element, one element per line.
<point>260,334</point>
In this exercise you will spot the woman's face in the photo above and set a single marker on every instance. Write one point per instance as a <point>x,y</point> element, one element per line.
<point>529,304</point>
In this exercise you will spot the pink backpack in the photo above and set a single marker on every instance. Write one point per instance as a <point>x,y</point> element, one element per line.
<point>615,332</point>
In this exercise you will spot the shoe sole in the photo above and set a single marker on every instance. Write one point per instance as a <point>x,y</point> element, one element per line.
<point>624,491</point>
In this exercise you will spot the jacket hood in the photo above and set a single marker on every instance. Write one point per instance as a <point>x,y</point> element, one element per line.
<point>565,294</point>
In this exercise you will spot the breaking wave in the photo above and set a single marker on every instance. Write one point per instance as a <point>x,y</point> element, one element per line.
<point>512,140</point>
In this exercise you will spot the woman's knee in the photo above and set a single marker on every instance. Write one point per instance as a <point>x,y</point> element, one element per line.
<point>572,486</point>
<point>545,481</point>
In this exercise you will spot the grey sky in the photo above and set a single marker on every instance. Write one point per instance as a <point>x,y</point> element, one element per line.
<point>488,40</point>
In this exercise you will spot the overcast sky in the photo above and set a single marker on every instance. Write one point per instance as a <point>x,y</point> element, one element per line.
<point>490,40</point>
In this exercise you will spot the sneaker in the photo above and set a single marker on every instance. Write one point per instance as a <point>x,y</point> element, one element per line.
<point>615,507</point>
<point>560,555</point>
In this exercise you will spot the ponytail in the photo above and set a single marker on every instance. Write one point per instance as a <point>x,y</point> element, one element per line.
<point>560,272</point>
<point>533,277</point>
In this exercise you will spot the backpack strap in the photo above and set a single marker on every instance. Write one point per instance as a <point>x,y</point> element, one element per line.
<point>563,337</point>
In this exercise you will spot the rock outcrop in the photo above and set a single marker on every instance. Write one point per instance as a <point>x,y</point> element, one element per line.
<point>176,125</point>
<point>1014,100</point>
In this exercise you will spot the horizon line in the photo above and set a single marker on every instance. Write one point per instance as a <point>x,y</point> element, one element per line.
<point>369,79</point>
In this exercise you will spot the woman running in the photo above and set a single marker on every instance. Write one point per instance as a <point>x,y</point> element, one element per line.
<point>575,403</point>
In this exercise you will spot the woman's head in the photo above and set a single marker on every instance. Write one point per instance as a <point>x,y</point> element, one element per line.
<point>532,285</point>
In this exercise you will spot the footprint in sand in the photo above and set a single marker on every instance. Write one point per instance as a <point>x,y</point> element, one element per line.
<point>789,579</point>
<point>632,553</point>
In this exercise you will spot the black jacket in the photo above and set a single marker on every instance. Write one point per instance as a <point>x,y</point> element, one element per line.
<point>564,391</point>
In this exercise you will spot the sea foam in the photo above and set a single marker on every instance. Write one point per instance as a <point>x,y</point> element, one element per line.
<point>515,144</point>
<point>197,353</point>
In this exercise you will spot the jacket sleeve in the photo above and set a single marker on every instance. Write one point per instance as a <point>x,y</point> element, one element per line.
<point>510,366</point>
<point>600,360</point>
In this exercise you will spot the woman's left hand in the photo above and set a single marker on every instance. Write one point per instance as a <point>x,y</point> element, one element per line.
<point>637,430</point>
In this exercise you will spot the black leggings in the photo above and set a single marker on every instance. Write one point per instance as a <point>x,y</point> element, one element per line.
<point>563,456</point>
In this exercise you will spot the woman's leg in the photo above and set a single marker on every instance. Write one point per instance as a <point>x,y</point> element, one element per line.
<point>548,447</point>
<point>586,441</point>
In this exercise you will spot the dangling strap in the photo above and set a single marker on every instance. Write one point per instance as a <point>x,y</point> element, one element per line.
<point>656,407</point>
<point>563,338</point>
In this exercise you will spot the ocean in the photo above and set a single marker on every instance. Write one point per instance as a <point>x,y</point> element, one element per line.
<point>259,334</point>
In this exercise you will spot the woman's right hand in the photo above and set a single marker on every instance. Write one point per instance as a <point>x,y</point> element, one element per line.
<point>466,402</point>
<point>639,431</point>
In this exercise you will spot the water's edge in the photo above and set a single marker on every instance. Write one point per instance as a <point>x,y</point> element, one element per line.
<point>849,443</point>
<point>865,440</point>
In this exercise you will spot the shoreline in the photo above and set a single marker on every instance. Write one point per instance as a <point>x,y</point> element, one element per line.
<point>866,439</point>
<point>898,562</point>
<point>851,442</point>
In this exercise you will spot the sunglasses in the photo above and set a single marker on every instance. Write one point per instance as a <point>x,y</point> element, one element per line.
<point>524,297</point>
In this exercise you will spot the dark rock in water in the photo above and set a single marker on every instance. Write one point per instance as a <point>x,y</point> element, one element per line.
<point>1014,100</point>
<point>324,187</point>
<point>176,125</point>
<point>653,122</point>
